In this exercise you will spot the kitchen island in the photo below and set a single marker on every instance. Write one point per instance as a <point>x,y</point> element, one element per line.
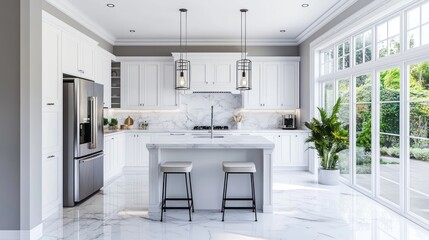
<point>207,156</point>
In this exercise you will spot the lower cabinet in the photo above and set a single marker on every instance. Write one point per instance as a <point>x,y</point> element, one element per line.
<point>51,183</point>
<point>114,155</point>
<point>137,154</point>
<point>290,149</point>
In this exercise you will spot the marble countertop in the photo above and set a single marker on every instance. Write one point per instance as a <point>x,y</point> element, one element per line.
<point>241,142</point>
<point>179,131</point>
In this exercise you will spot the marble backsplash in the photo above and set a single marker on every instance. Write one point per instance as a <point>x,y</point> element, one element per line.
<point>195,110</point>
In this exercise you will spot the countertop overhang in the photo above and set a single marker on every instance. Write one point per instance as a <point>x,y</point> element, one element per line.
<point>227,142</point>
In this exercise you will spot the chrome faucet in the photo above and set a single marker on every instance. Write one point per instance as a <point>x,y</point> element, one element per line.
<point>211,125</point>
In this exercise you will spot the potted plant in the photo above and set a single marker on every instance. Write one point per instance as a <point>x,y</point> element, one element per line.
<point>113,123</point>
<point>329,138</point>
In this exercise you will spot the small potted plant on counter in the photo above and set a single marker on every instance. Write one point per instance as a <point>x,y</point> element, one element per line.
<point>113,125</point>
<point>329,138</point>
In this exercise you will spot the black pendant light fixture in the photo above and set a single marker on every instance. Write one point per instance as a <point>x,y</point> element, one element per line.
<point>244,65</point>
<point>183,66</point>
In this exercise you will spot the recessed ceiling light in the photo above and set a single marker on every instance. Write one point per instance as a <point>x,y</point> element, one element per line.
<point>110,5</point>
<point>305,5</point>
<point>132,31</point>
<point>282,30</point>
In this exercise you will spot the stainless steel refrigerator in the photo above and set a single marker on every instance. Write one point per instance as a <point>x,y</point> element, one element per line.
<point>83,139</point>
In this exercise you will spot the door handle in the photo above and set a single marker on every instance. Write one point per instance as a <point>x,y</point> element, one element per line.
<point>51,156</point>
<point>50,104</point>
<point>94,121</point>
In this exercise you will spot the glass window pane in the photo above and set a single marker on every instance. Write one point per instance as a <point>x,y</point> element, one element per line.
<point>382,49</point>
<point>394,27</point>
<point>425,13</point>
<point>346,47</point>
<point>363,88</point>
<point>394,46</point>
<point>343,90</point>
<point>425,34</point>
<point>347,61</point>
<point>413,18</point>
<point>340,63</point>
<point>419,182</point>
<point>390,167</point>
<point>390,85</point>
<point>419,81</point>
<point>414,38</point>
<point>358,42</point>
<point>419,119</point>
<point>363,146</point>
<point>359,57</point>
<point>329,96</point>
<point>389,118</point>
<point>368,38</point>
<point>368,54</point>
<point>381,32</point>
<point>340,50</point>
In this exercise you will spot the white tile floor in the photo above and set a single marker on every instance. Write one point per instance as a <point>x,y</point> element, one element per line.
<point>303,210</point>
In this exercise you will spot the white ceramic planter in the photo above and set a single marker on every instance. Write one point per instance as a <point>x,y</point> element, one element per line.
<point>329,177</point>
<point>238,125</point>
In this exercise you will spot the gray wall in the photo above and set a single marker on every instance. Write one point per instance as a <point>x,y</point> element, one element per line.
<point>304,52</point>
<point>167,50</point>
<point>10,115</point>
<point>63,17</point>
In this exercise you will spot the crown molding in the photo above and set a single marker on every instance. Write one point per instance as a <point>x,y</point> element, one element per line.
<point>77,15</point>
<point>328,16</point>
<point>205,42</point>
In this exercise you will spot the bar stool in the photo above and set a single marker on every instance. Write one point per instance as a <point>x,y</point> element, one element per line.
<point>239,168</point>
<point>184,168</point>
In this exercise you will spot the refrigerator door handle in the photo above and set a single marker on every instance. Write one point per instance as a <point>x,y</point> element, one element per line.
<point>94,121</point>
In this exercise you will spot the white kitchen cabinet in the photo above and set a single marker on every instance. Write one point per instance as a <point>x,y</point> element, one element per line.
<point>212,76</point>
<point>293,150</point>
<point>51,119</point>
<point>167,95</point>
<point>275,85</point>
<point>140,85</point>
<point>77,56</point>
<point>102,74</point>
<point>114,155</point>
<point>137,154</point>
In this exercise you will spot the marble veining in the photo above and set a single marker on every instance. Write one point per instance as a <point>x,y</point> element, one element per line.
<point>195,110</point>
<point>303,210</point>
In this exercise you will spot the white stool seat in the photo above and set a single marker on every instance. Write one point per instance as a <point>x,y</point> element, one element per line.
<point>183,167</point>
<point>239,167</point>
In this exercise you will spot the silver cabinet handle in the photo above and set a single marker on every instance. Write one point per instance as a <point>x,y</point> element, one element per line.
<point>50,104</point>
<point>51,156</point>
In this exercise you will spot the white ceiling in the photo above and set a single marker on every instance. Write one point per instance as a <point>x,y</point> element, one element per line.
<point>210,22</point>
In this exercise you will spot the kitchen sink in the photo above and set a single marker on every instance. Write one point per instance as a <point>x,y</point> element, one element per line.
<point>209,136</point>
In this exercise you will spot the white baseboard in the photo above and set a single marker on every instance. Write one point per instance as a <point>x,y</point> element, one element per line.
<point>135,170</point>
<point>290,168</point>
<point>33,234</point>
<point>51,209</point>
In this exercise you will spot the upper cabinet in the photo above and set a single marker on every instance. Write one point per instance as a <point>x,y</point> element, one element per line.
<point>78,55</point>
<point>148,85</point>
<point>103,73</point>
<point>212,72</point>
<point>275,84</point>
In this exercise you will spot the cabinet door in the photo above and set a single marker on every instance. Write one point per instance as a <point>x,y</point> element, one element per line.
<point>252,98</point>
<point>51,66</point>
<point>70,54</point>
<point>299,156</point>
<point>108,155</point>
<point>143,155</point>
<point>150,86</point>
<point>198,75</point>
<point>86,60</point>
<point>106,73</point>
<point>51,181</point>
<point>223,75</point>
<point>131,82</point>
<point>287,151</point>
<point>121,150</point>
<point>270,85</point>
<point>289,86</point>
<point>167,94</point>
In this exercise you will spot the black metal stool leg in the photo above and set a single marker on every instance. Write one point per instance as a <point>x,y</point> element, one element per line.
<point>224,198</point>
<point>254,196</point>
<point>163,196</point>
<point>187,195</point>
<point>192,196</point>
<point>223,193</point>
<point>166,184</point>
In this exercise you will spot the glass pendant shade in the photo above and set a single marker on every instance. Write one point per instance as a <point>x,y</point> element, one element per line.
<point>244,75</point>
<point>182,75</point>
<point>244,65</point>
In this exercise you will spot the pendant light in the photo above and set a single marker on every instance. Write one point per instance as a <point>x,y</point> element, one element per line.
<point>183,66</point>
<point>244,65</point>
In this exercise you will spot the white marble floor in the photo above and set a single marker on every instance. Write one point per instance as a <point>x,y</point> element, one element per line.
<point>303,210</point>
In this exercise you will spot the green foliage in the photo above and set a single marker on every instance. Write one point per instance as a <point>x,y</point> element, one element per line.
<point>105,121</point>
<point>364,137</point>
<point>328,135</point>
<point>113,122</point>
<point>420,153</point>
